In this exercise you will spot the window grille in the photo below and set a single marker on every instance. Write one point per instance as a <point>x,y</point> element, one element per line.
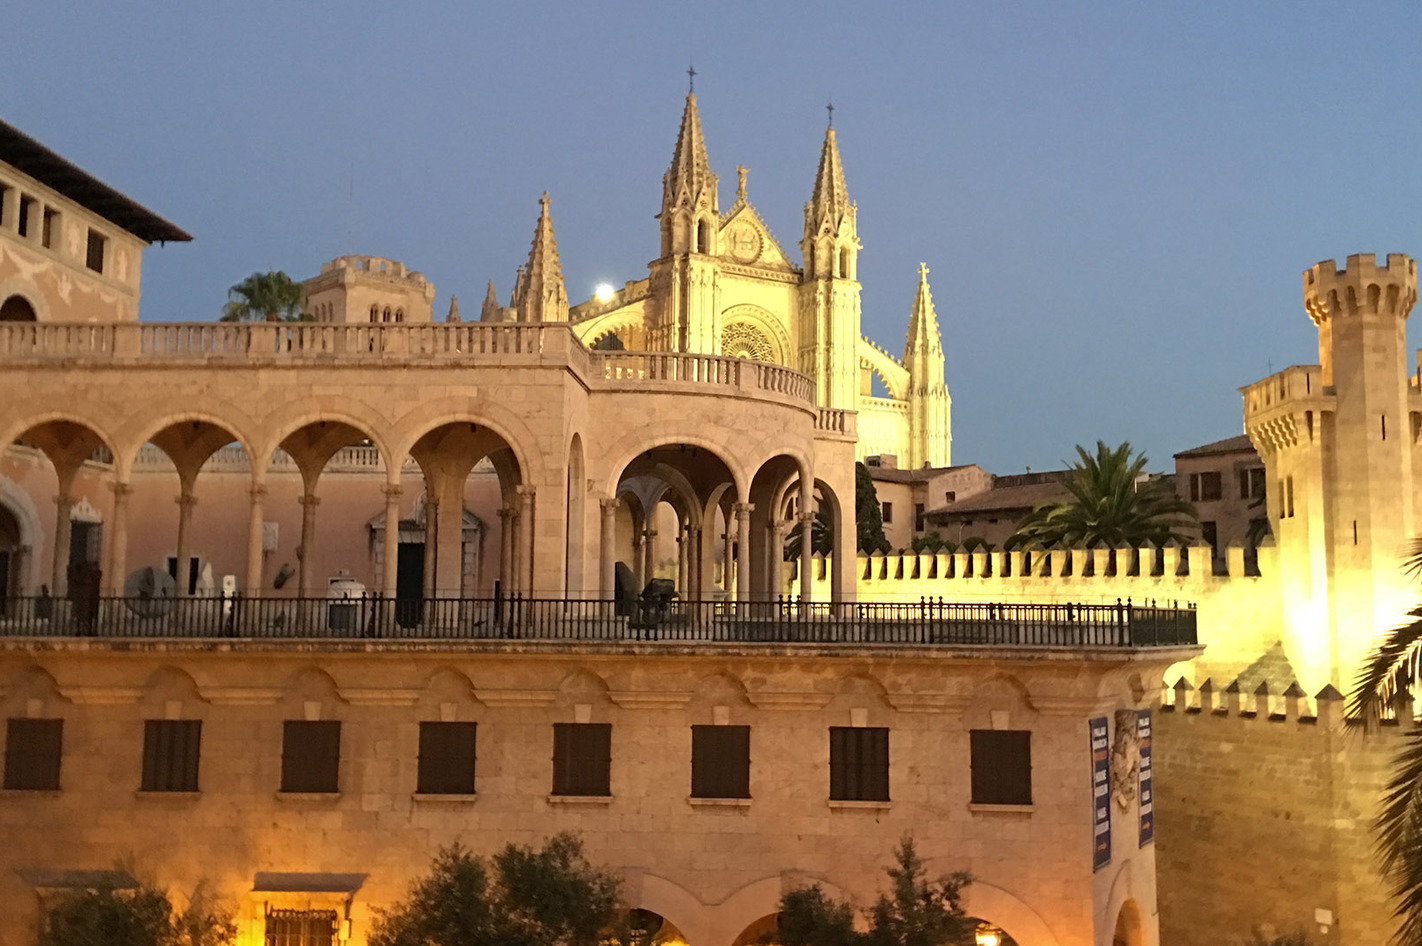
<point>301,927</point>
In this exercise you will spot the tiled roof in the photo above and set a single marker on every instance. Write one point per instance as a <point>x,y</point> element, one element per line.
<point>1239,444</point>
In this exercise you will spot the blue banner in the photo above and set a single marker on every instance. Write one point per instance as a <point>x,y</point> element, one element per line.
<point>1100,792</point>
<point>1147,795</point>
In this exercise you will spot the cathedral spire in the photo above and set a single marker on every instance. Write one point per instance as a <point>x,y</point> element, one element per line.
<point>541,296</point>
<point>453,315</point>
<point>830,200</point>
<point>923,335</point>
<point>490,311</point>
<point>689,199</point>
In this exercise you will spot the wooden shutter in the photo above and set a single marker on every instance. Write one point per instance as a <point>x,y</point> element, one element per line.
<point>311,756</point>
<point>720,761</point>
<point>33,749</point>
<point>582,758</point>
<point>859,763</point>
<point>446,765</point>
<point>1002,766</point>
<point>171,749</point>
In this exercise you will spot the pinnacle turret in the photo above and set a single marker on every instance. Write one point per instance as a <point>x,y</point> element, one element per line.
<point>829,203</point>
<point>491,312</point>
<point>924,337</point>
<point>540,295</point>
<point>453,315</point>
<point>689,176</point>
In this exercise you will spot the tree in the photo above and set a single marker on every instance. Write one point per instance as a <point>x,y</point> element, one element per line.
<point>821,534</point>
<point>1389,673</point>
<point>523,897</point>
<point>1108,503</point>
<point>270,297</point>
<point>139,917</point>
<point>915,912</point>
<point>868,514</point>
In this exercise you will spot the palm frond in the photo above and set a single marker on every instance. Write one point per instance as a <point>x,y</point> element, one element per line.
<point>1392,669</point>
<point>1399,831</point>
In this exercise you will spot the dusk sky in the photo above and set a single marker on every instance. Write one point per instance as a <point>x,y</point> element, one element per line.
<point>1116,200</point>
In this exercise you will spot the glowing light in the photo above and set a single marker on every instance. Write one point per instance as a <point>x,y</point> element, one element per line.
<point>604,292</point>
<point>986,937</point>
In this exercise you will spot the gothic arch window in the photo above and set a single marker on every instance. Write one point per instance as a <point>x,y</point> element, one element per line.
<point>399,315</point>
<point>375,313</point>
<point>844,263</point>
<point>17,309</point>
<point>703,237</point>
<point>386,315</point>
<point>810,259</point>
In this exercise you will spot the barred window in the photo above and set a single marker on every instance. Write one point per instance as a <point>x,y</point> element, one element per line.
<point>446,765</point>
<point>33,748</point>
<point>582,758</point>
<point>301,927</point>
<point>720,761</point>
<point>859,763</point>
<point>171,748</point>
<point>311,756</point>
<point>1002,766</point>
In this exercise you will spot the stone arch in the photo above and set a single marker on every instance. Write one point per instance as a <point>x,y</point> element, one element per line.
<point>17,308</point>
<point>360,417</point>
<point>1004,910</point>
<point>759,899</point>
<point>31,682</point>
<point>23,288</point>
<point>508,426</point>
<point>1129,929</point>
<point>736,319</point>
<point>26,570</point>
<point>104,438</point>
<point>894,375</point>
<point>312,682</point>
<point>999,680</point>
<point>624,451</point>
<point>576,515</point>
<point>704,235</point>
<point>143,429</point>
<point>447,681</point>
<point>583,682</point>
<point>171,682</point>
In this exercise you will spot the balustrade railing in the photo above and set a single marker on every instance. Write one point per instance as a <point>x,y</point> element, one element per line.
<point>925,622</point>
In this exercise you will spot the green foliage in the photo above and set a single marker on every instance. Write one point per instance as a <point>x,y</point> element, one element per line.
<point>270,297</point>
<point>1390,672</point>
<point>141,917</point>
<point>868,514</point>
<point>522,897</point>
<point>915,912</point>
<point>1107,505</point>
<point>932,543</point>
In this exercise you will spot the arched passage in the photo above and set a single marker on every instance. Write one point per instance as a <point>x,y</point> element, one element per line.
<point>1129,931</point>
<point>17,309</point>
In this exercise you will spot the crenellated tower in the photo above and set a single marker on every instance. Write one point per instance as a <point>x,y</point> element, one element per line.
<point>683,312</point>
<point>1337,440</point>
<point>828,327</point>
<point>930,407</point>
<point>539,293</point>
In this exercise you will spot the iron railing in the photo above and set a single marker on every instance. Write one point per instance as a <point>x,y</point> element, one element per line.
<point>785,621</point>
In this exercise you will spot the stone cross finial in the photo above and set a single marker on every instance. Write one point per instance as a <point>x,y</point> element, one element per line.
<point>829,107</point>
<point>741,172</point>
<point>923,272</point>
<point>691,75</point>
<point>543,202</point>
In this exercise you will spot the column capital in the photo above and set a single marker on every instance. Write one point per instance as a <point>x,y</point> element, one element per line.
<point>185,500</point>
<point>309,499</point>
<point>805,518</point>
<point>64,500</point>
<point>392,492</point>
<point>609,505</point>
<point>525,490</point>
<point>507,512</point>
<point>257,492</point>
<point>743,510</point>
<point>120,490</point>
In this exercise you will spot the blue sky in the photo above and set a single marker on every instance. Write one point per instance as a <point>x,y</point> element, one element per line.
<point>1115,199</point>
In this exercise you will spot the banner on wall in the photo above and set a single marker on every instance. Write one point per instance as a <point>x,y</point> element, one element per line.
<point>1147,795</point>
<point>1100,792</point>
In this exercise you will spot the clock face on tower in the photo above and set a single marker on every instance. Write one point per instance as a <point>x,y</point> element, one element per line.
<point>744,243</point>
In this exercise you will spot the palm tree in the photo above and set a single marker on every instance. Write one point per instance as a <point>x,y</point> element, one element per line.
<point>1391,672</point>
<point>1109,503</point>
<point>821,534</point>
<point>271,297</point>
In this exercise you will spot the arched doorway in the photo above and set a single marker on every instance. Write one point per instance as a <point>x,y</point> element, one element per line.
<point>1128,926</point>
<point>9,559</point>
<point>17,309</point>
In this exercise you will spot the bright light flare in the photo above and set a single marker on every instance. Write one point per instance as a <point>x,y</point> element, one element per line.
<point>604,292</point>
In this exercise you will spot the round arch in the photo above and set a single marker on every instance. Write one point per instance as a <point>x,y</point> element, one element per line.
<point>1002,909</point>
<point>133,436</point>
<point>508,426</point>
<point>18,430</point>
<point>760,321</point>
<point>17,308</point>
<point>29,570</point>
<point>30,293</point>
<point>622,457</point>
<point>362,418</point>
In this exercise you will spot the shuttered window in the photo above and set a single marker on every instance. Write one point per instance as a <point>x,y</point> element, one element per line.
<point>310,756</point>
<point>33,748</point>
<point>301,927</point>
<point>720,761</point>
<point>446,759</point>
<point>859,763</point>
<point>1002,766</point>
<point>582,758</point>
<point>170,755</point>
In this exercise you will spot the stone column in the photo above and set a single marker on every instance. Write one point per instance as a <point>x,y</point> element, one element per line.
<point>186,501</point>
<point>525,539</point>
<point>649,557</point>
<point>638,559</point>
<point>59,575</point>
<point>807,554</point>
<point>306,560</point>
<point>726,567</point>
<point>607,555</point>
<point>743,572</point>
<point>507,515</point>
<point>683,559</point>
<point>427,580</point>
<point>118,538</point>
<point>391,551</point>
<point>255,519</point>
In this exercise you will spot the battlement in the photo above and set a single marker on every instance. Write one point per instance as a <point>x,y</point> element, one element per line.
<point>350,269</point>
<point>1361,284</point>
